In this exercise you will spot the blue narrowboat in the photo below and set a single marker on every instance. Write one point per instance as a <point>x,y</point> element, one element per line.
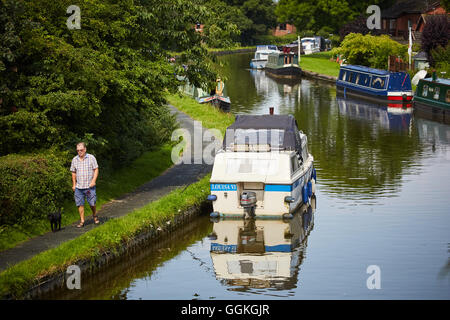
<point>375,84</point>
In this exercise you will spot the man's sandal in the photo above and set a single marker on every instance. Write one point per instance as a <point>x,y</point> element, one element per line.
<point>80,225</point>
<point>96,220</point>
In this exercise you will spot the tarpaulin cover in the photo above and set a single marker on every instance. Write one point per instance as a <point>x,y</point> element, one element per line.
<point>285,124</point>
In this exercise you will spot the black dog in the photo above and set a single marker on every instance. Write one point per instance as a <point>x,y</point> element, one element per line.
<point>55,220</point>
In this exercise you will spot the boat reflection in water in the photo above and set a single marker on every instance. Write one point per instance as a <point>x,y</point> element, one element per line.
<point>259,253</point>
<point>266,85</point>
<point>388,116</point>
<point>437,133</point>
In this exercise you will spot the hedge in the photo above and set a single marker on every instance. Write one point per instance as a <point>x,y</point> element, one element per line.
<point>32,185</point>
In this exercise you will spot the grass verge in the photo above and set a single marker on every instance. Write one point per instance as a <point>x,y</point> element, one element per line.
<point>320,63</point>
<point>110,186</point>
<point>104,238</point>
<point>210,116</point>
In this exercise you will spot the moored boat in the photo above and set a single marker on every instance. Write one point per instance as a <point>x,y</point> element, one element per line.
<point>432,97</point>
<point>375,84</point>
<point>263,169</point>
<point>261,55</point>
<point>284,64</point>
<point>217,97</point>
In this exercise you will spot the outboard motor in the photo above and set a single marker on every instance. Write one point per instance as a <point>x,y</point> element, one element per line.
<point>248,201</point>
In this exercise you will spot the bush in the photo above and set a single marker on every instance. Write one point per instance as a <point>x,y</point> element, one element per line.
<point>33,185</point>
<point>370,51</point>
<point>441,58</point>
<point>435,34</point>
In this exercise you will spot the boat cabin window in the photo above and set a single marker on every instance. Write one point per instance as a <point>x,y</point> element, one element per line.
<point>357,79</point>
<point>436,93</point>
<point>352,77</point>
<point>364,80</point>
<point>378,82</point>
<point>294,163</point>
<point>447,97</point>
<point>304,152</point>
<point>425,90</point>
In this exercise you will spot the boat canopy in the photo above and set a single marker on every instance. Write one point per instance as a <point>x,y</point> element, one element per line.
<point>274,131</point>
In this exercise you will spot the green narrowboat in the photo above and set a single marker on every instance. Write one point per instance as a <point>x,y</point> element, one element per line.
<point>283,64</point>
<point>432,98</point>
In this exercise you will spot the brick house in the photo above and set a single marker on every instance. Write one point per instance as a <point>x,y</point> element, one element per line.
<point>396,19</point>
<point>284,29</point>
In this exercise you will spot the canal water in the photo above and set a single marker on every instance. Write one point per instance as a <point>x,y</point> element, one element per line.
<point>379,227</point>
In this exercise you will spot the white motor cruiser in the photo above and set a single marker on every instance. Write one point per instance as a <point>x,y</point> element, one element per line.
<point>263,170</point>
<point>261,56</point>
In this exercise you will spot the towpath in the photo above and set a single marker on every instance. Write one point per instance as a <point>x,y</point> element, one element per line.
<point>174,177</point>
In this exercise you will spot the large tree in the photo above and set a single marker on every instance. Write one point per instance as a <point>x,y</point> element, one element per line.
<point>317,14</point>
<point>260,17</point>
<point>104,83</point>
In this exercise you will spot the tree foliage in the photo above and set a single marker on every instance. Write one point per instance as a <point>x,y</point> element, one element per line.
<point>316,14</point>
<point>104,83</point>
<point>252,17</point>
<point>435,33</point>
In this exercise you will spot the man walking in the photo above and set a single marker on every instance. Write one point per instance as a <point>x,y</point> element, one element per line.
<point>84,170</point>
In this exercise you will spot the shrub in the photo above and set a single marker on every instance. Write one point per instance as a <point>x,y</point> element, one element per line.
<point>435,34</point>
<point>32,185</point>
<point>441,58</point>
<point>370,51</point>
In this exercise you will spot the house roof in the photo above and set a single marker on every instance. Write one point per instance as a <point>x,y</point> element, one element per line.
<point>408,6</point>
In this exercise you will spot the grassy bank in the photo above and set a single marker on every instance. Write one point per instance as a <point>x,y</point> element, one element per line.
<point>210,116</point>
<point>320,63</point>
<point>104,238</point>
<point>110,186</point>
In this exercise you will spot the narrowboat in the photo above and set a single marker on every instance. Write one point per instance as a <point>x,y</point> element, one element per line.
<point>284,64</point>
<point>263,169</point>
<point>374,84</point>
<point>432,97</point>
<point>261,55</point>
<point>217,97</point>
<point>261,253</point>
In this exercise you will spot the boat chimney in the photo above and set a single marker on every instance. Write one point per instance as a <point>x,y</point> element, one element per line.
<point>271,111</point>
<point>434,75</point>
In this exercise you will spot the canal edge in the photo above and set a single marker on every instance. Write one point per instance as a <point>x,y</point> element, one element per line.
<point>90,266</point>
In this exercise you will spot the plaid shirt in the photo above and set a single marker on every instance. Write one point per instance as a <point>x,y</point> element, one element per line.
<point>84,170</point>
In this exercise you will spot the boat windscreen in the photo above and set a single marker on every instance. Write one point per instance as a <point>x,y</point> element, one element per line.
<point>272,137</point>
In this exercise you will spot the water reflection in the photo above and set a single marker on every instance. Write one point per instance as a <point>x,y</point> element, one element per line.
<point>261,254</point>
<point>433,132</point>
<point>384,116</point>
